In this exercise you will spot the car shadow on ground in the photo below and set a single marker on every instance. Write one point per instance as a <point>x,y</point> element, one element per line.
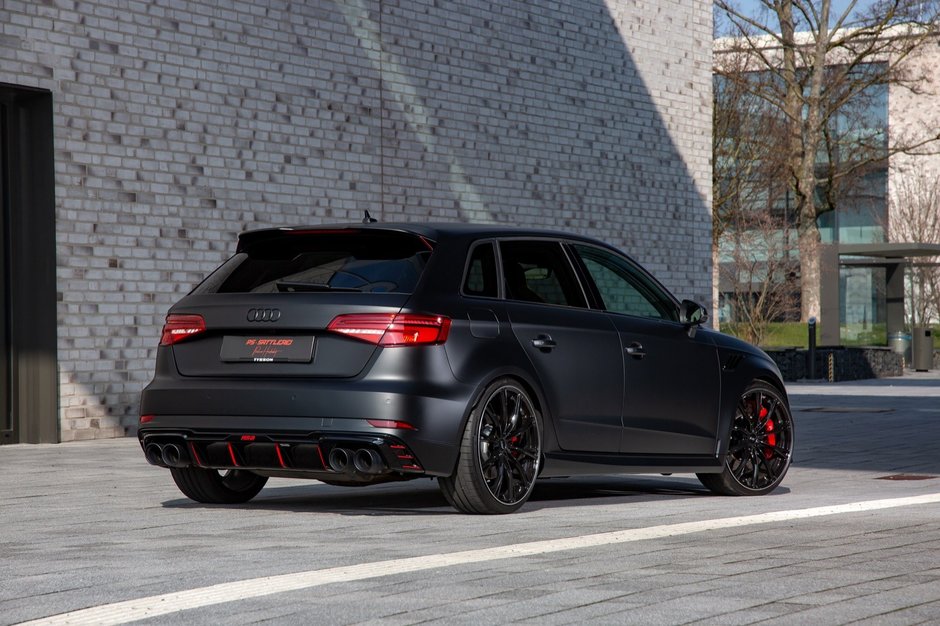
<point>422,497</point>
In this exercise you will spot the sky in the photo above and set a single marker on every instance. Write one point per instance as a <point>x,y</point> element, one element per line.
<point>837,5</point>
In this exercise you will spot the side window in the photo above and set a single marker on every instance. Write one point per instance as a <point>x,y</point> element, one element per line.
<point>481,280</point>
<point>539,271</point>
<point>623,288</point>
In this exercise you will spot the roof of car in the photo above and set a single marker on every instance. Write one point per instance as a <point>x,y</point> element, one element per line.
<point>431,230</point>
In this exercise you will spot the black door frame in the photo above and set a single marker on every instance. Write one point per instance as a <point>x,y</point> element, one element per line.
<point>7,434</point>
<point>28,196</point>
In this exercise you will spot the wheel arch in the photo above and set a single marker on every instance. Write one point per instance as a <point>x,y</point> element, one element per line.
<point>734,383</point>
<point>529,384</point>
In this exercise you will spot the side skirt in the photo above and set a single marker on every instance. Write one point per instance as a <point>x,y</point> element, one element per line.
<point>558,464</point>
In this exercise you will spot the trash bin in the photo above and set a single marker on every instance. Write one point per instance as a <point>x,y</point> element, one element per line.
<point>901,343</point>
<point>923,349</point>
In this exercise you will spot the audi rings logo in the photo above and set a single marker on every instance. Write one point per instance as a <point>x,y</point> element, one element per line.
<point>264,315</point>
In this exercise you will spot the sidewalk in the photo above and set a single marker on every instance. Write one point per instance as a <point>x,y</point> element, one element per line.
<point>91,523</point>
<point>912,384</point>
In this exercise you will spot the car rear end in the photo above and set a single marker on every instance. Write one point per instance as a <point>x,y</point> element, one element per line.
<point>303,356</point>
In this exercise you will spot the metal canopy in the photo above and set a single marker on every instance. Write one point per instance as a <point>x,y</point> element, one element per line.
<point>889,250</point>
<point>891,256</point>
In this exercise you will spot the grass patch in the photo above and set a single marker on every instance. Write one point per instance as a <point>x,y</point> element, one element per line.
<point>779,334</point>
<point>867,335</point>
<point>796,334</point>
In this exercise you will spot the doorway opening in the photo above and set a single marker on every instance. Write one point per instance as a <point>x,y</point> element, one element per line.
<point>28,381</point>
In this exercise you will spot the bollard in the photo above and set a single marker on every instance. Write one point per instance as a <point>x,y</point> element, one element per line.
<point>811,353</point>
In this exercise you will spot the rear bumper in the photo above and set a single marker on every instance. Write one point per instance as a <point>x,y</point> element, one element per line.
<point>323,415</point>
<point>340,457</point>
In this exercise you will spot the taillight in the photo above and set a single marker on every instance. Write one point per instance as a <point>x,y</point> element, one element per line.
<point>180,327</point>
<point>389,329</point>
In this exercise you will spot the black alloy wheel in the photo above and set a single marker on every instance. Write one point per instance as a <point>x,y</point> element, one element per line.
<point>760,447</point>
<point>500,453</point>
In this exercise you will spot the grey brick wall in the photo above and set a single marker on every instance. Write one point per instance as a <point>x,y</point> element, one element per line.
<point>178,124</point>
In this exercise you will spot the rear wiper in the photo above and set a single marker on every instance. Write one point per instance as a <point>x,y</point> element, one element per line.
<point>291,286</point>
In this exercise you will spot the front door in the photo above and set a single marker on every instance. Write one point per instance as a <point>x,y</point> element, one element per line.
<point>670,403</point>
<point>671,380</point>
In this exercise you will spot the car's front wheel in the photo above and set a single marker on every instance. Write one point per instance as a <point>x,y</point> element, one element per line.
<point>760,445</point>
<point>214,487</point>
<point>499,454</point>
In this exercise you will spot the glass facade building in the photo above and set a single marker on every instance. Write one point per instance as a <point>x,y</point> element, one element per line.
<point>851,196</point>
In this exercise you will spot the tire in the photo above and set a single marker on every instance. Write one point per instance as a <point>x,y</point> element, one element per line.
<point>500,453</point>
<point>214,487</point>
<point>760,446</point>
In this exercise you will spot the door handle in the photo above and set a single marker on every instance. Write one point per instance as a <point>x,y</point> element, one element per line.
<point>544,343</point>
<point>635,350</point>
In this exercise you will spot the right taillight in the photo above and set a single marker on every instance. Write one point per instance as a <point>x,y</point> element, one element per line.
<point>390,329</point>
<point>181,327</point>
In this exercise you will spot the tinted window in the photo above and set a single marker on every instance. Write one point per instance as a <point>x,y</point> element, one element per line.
<point>481,273</point>
<point>624,288</point>
<point>300,261</point>
<point>538,271</point>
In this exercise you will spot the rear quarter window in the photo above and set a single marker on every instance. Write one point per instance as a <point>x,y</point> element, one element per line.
<point>481,278</point>
<point>304,261</point>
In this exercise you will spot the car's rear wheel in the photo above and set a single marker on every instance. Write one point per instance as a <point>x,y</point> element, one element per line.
<point>760,446</point>
<point>499,453</point>
<point>214,487</point>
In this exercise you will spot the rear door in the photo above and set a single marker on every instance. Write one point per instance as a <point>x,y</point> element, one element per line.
<point>574,350</point>
<point>671,380</point>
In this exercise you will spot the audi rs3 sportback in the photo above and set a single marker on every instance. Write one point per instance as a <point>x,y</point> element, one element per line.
<point>482,356</point>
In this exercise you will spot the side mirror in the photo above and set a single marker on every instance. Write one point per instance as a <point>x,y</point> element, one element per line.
<point>692,313</point>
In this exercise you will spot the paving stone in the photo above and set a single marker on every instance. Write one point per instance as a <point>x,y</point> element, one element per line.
<point>90,522</point>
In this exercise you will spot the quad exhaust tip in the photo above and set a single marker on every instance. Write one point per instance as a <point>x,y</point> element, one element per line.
<point>339,459</point>
<point>166,455</point>
<point>362,461</point>
<point>173,456</point>
<point>154,454</point>
<point>368,461</point>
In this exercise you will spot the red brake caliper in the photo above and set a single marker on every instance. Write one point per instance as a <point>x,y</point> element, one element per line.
<point>771,437</point>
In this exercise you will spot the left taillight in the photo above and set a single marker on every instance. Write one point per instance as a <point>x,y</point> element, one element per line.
<point>390,329</point>
<point>181,327</point>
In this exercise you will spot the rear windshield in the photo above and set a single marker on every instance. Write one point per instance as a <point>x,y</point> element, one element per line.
<point>305,261</point>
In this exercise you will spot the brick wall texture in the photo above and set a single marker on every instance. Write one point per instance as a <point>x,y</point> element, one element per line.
<point>179,124</point>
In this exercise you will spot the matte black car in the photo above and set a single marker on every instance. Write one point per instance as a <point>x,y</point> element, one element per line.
<point>483,356</point>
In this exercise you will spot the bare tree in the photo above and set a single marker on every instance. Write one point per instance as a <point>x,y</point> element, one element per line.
<point>817,65</point>
<point>749,182</point>
<point>915,216</point>
<point>758,270</point>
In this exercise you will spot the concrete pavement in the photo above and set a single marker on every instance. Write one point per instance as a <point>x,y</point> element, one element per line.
<point>90,523</point>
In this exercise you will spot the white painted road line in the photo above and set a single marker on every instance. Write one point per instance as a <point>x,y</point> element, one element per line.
<point>154,606</point>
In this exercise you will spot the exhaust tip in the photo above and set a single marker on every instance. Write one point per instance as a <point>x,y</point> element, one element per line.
<point>339,459</point>
<point>173,456</point>
<point>368,461</point>
<point>154,454</point>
